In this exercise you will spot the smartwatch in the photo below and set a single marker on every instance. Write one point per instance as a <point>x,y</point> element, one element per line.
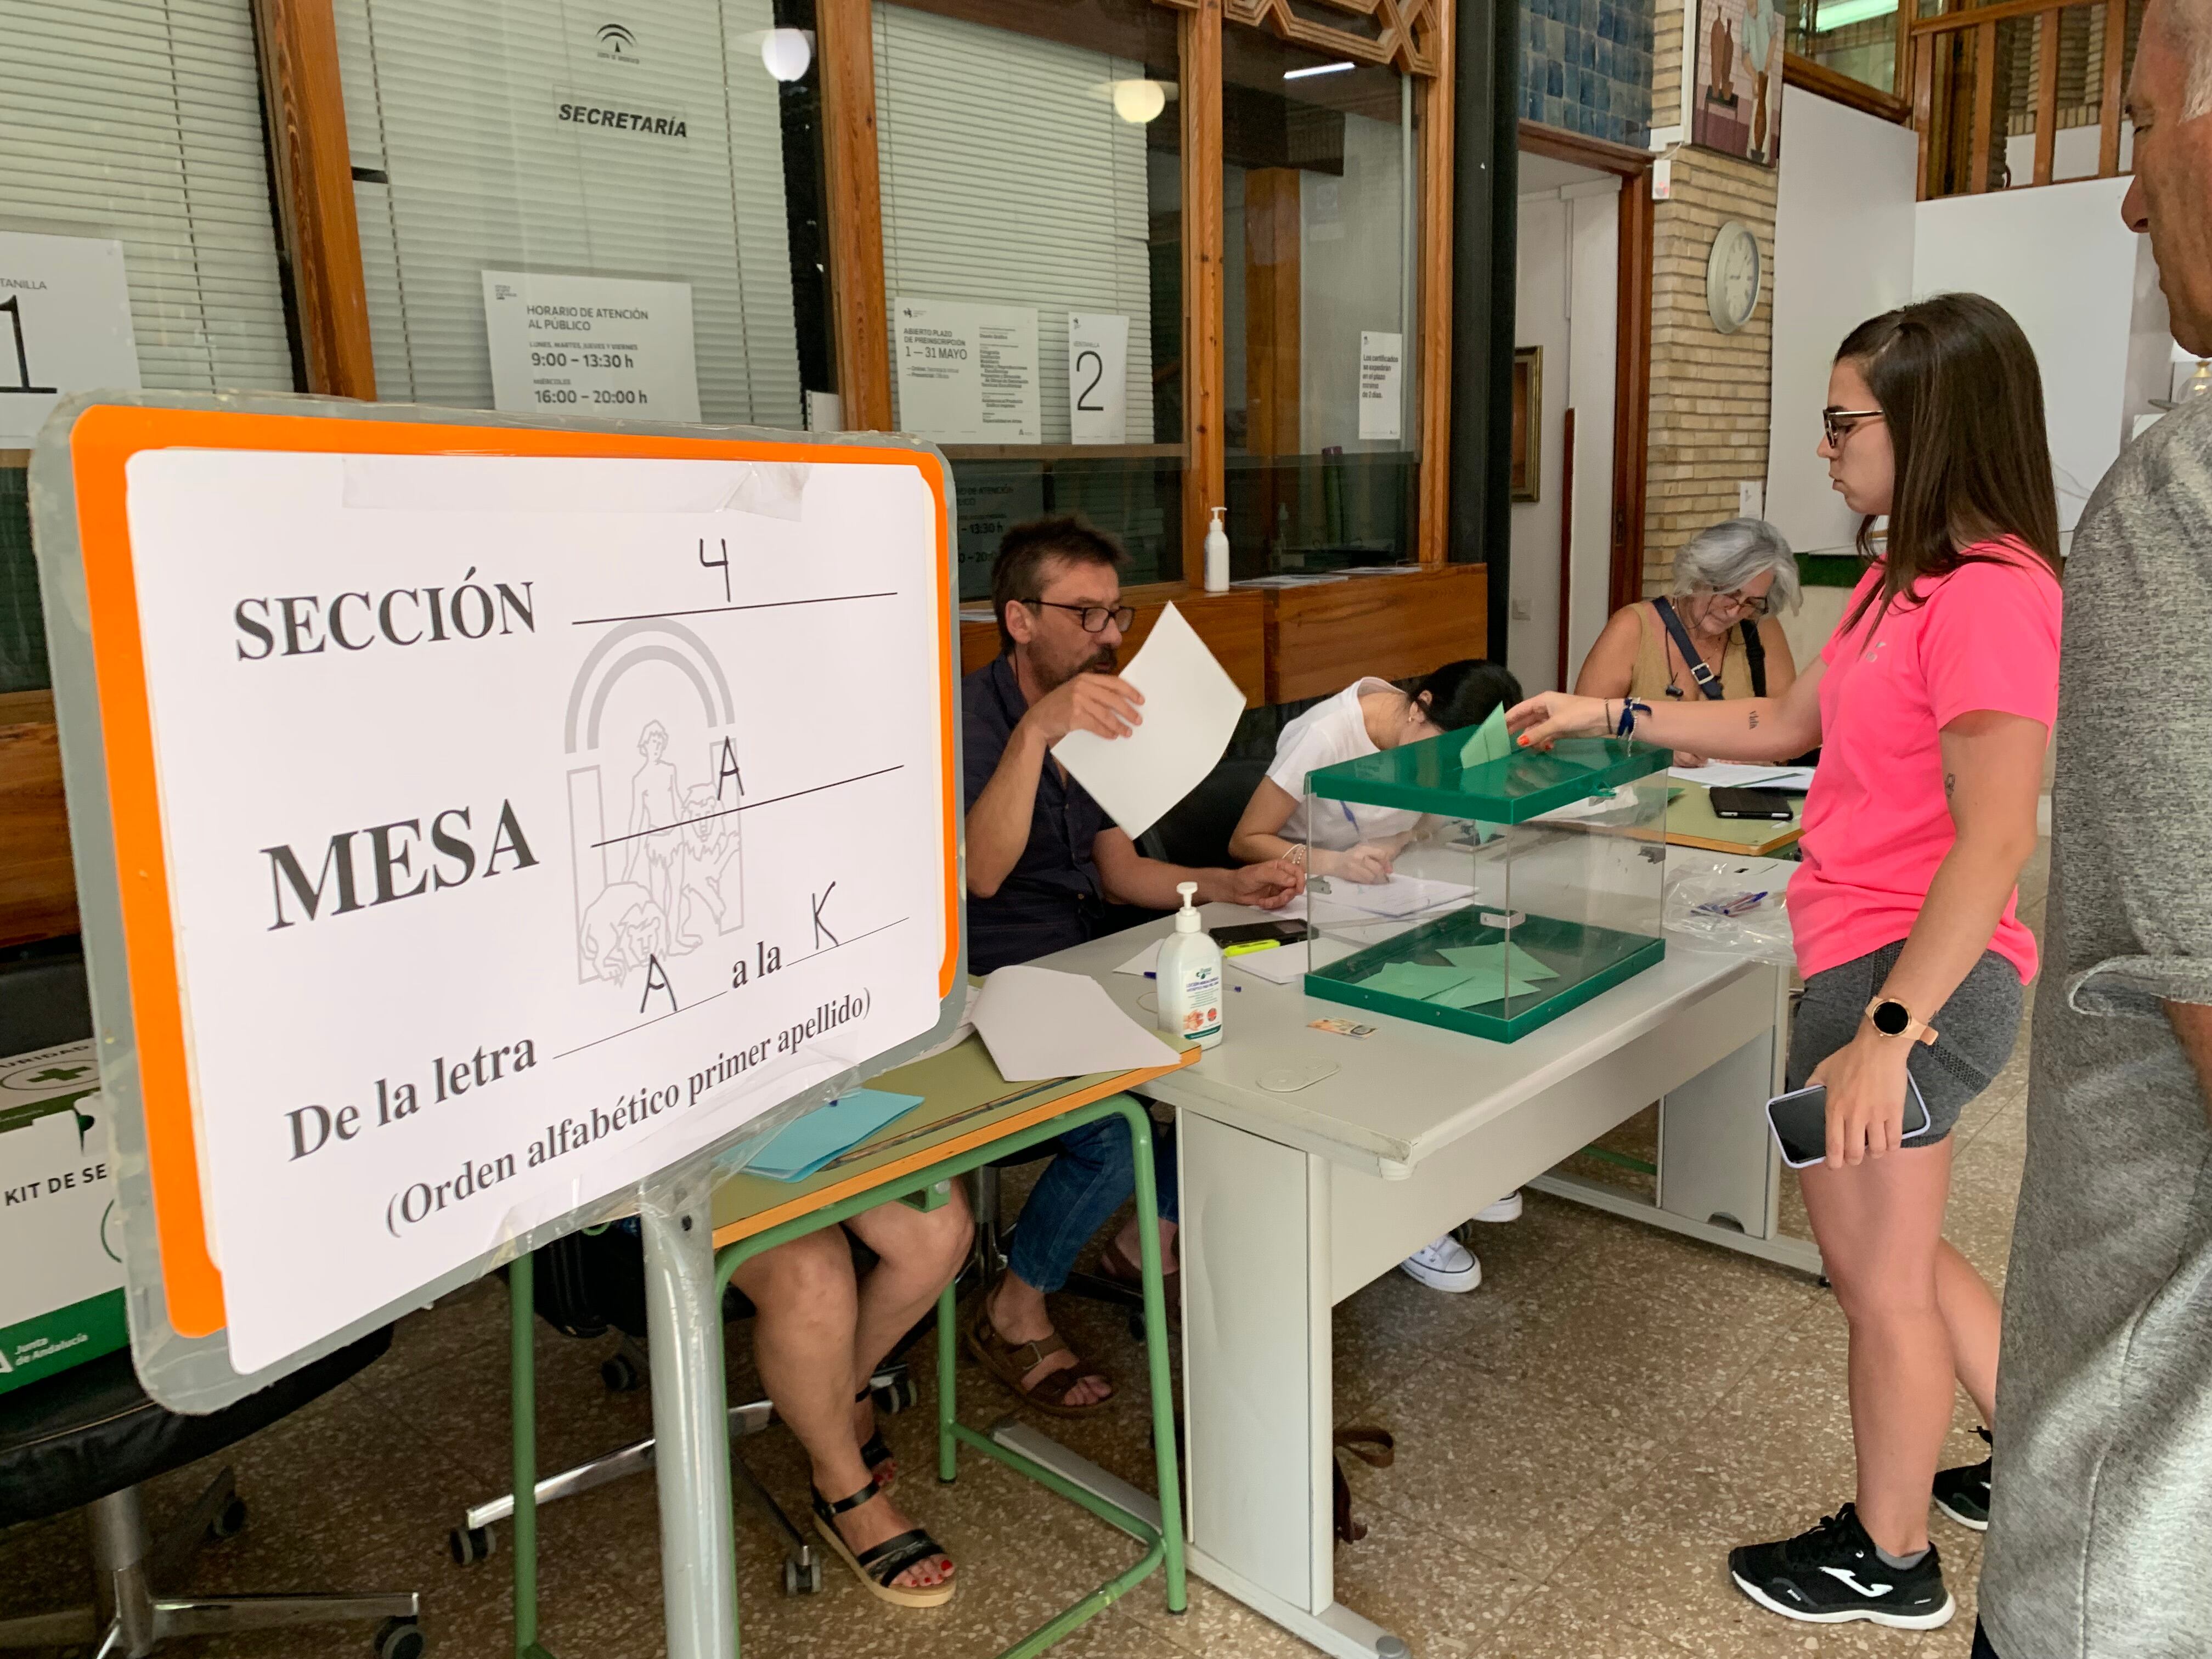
<point>1893,1019</point>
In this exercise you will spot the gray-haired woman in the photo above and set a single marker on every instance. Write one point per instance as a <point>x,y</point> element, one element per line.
<point>1715,637</point>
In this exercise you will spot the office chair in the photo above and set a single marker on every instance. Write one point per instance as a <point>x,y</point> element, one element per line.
<point>90,1439</point>
<point>1195,833</point>
<point>589,1283</point>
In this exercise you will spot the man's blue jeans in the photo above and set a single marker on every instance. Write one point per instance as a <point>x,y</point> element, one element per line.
<point>1088,1179</point>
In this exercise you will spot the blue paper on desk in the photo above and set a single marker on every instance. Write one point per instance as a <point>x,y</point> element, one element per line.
<point>805,1144</point>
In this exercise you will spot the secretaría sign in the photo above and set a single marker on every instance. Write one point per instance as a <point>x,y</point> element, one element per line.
<point>505,815</point>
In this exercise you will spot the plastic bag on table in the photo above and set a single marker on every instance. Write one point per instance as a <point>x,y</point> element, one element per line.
<point>1718,903</point>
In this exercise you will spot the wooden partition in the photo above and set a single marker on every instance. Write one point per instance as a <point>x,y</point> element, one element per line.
<point>1232,624</point>
<point>1320,639</point>
<point>37,887</point>
<point>1953,76</point>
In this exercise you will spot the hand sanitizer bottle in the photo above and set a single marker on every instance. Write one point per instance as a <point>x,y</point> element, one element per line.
<point>1216,555</point>
<point>1190,977</point>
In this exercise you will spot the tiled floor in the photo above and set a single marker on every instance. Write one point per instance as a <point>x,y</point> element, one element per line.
<point>1580,1441</point>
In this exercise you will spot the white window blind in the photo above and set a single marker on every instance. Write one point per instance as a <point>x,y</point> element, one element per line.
<point>457,105</point>
<point>1008,179</point>
<point>140,120</point>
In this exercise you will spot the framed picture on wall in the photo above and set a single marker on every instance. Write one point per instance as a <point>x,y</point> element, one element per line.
<point>1528,439</point>
<point>1735,92</point>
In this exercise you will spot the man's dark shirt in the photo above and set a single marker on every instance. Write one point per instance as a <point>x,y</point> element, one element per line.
<point>1051,898</point>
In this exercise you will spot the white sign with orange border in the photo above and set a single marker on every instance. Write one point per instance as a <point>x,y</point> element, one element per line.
<point>503,814</point>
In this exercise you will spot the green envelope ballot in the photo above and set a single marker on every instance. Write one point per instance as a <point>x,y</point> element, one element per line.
<point>807,1143</point>
<point>1497,960</point>
<point>1488,742</point>
<point>1413,979</point>
<point>1560,855</point>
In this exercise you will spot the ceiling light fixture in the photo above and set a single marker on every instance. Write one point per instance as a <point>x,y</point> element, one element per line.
<point>785,53</point>
<point>1324,69</point>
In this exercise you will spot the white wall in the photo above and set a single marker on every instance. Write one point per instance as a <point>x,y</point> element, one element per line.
<point>1843,252</point>
<point>1566,302</point>
<point>2061,262</point>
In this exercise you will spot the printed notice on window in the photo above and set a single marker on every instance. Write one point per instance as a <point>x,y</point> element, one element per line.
<point>967,374</point>
<point>590,345</point>
<point>1381,385</point>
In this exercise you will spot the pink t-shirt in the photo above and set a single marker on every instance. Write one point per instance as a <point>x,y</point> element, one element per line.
<point>1876,823</point>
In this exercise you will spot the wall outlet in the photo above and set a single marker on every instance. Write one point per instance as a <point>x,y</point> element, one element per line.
<point>1751,499</point>
<point>1520,610</point>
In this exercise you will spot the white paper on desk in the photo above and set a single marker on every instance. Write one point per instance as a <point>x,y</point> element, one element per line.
<point>1401,896</point>
<point>1719,774</point>
<point>1038,1024</point>
<point>1283,965</point>
<point>1191,708</point>
<point>1146,960</point>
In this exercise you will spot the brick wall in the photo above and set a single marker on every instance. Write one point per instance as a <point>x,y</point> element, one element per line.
<point>1709,390</point>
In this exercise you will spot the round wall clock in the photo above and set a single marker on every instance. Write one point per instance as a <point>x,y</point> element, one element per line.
<point>1732,274</point>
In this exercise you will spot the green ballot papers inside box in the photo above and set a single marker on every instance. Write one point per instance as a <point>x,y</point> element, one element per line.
<point>61,1263</point>
<point>1518,884</point>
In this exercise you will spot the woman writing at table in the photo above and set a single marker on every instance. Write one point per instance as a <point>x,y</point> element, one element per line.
<point>1359,844</point>
<point>1933,703</point>
<point>1714,636</point>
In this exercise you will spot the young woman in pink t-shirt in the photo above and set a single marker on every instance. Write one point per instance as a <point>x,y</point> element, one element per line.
<point>1932,705</point>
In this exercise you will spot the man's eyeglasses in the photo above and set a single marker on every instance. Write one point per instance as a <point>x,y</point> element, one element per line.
<point>1093,616</point>
<point>1840,423</point>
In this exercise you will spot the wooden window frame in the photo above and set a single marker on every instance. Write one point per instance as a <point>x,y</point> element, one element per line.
<point>1416,38</point>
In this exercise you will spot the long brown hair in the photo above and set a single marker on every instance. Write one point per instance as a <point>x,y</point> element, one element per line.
<point>1962,399</point>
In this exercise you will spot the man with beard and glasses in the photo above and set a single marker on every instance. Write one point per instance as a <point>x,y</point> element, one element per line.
<point>1044,862</point>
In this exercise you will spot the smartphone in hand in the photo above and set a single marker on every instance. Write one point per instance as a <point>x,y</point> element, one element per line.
<point>1799,1122</point>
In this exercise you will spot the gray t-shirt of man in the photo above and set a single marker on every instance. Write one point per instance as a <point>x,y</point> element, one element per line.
<point>2100,1535</point>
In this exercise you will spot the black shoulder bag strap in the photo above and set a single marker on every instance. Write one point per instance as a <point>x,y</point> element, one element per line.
<point>1754,651</point>
<point>1706,680</point>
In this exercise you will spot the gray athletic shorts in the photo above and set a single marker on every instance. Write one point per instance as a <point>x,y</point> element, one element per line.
<point>1976,1030</point>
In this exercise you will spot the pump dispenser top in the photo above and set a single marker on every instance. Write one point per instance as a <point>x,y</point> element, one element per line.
<point>1187,918</point>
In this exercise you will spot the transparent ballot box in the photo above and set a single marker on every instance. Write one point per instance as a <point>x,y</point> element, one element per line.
<point>1516,887</point>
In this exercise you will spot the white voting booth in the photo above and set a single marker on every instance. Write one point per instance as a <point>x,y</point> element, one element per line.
<point>480,824</point>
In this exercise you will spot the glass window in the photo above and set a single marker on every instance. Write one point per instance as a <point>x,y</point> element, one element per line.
<point>1858,38</point>
<point>138,126</point>
<point>586,211</point>
<point>1319,182</point>
<point>1033,264</point>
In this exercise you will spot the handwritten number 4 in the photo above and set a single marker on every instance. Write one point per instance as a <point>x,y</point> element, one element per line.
<point>721,564</point>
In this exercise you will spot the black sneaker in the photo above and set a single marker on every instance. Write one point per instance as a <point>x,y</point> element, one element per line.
<point>1963,1493</point>
<point>1830,1576</point>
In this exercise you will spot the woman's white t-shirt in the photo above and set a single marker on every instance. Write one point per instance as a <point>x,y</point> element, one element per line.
<point>1324,735</point>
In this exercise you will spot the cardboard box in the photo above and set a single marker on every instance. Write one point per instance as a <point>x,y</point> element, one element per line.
<point>61,1291</point>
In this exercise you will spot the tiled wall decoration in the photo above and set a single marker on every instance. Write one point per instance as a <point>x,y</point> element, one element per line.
<point>1586,67</point>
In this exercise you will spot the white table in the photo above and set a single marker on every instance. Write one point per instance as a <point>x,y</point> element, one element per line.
<point>1292,1202</point>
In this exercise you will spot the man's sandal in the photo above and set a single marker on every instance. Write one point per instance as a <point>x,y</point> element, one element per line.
<point>877,1451</point>
<point>1010,1362</point>
<point>1116,1264</point>
<point>877,1566</point>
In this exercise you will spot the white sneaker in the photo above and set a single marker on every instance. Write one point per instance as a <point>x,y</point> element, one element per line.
<point>1507,1208</point>
<point>1446,1265</point>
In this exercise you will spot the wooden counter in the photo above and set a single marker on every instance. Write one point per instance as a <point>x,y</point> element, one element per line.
<point>1232,624</point>
<point>1321,639</point>
<point>38,884</point>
